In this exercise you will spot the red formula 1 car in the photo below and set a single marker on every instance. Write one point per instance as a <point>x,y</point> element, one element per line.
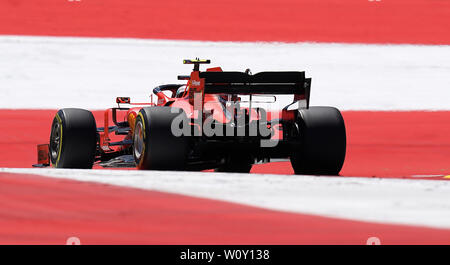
<point>215,120</point>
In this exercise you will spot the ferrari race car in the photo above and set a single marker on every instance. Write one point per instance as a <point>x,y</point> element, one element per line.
<point>214,120</point>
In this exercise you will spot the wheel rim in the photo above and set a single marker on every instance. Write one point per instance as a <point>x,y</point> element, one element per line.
<point>55,141</point>
<point>138,140</point>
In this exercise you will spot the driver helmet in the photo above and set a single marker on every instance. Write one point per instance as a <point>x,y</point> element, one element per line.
<point>181,91</point>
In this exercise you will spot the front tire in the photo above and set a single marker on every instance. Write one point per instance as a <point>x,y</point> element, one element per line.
<point>73,139</point>
<point>323,142</point>
<point>155,147</point>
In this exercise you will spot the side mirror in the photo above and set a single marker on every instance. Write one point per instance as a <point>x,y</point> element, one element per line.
<point>123,100</point>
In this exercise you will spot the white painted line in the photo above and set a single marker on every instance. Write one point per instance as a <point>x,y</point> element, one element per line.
<point>57,72</point>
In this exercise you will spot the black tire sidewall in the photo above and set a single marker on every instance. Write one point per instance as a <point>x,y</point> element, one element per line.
<point>78,140</point>
<point>162,150</point>
<point>323,142</point>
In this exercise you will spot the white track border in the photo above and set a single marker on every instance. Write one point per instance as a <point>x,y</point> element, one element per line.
<point>395,201</point>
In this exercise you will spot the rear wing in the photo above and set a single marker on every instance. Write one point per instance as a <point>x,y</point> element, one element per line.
<point>215,81</point>
<point>293,83</point>
<point>280,83</point>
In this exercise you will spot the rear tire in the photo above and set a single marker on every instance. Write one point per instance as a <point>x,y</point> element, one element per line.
<point>323,142</point>
<point>155,147</point>
<point>73,139</point>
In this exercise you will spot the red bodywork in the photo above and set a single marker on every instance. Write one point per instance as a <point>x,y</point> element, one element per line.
<point>210,103</point>
<point>216,96</point>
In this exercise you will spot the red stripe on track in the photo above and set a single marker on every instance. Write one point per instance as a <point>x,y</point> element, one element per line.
<point>382,144</point>
<point>400,21</point>
<point>39,210</point>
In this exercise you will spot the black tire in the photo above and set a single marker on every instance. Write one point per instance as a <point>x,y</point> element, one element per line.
<point>155,147</point>
<point>323,142</point>
<point>73,139</point>
<point>237,164</point>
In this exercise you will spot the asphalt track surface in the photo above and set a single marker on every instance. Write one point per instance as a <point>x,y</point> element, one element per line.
<point>404,144</point>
